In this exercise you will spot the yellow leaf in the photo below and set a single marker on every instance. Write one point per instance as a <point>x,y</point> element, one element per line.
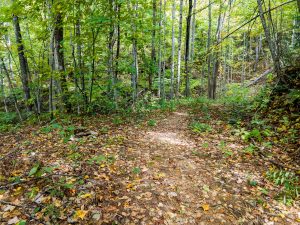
<point>205,207</point>
<point>159,176</point>
<point>87,195</point>
<point>80,214</point>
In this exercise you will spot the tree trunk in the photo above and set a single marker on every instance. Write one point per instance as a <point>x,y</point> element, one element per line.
<point>160,50</point>
<point>11,88</point>
<point>173,50</point>
<point>208,51</point>
<point>2,90</point>
<point>271,44</point>
<point>193,32</point>
<point>59,65</point>
<point>25,77</point>
<point>79,57</point>
<point>153,49</point>
<point>118,43</point>
<point>179,48</point>
<point>187,52</point>
<point>110,63</point>
<point>244,60</point>
<point>135,73</point>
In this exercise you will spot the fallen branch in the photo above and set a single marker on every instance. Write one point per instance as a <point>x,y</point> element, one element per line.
<point>260,77</point>
<point>39,178</point>
<point>9,203</point>
<point>276,163</point>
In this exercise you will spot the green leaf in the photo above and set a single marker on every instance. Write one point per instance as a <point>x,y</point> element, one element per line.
<point>253,183</point>
<point>136,170</point>
<point>34,170</point>
<point>21,222</point>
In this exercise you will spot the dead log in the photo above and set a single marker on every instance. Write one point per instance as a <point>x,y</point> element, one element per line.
<point>260,77</point>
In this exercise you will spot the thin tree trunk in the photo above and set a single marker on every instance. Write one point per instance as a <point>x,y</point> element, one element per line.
<point>160,50</point>
<point>173,50</point>
<point>271,44</point>
<point>187,52</point>
<point>244,59</point>
<point>193,32</point>
<point>217,59</point>
<point>208,51</point>
<point>110,64</point>
<point>10,85</point>
<point>79,57</point>
<point>257,51</point>
<point>153,49</point>
<point>118,43</point>
<point>135,74</point>
<point>3,91</point>
<point>179,48</point>
<point>94,37</point>
<point>164,22</point>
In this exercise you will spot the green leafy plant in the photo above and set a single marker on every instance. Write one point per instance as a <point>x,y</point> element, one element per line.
<point>38,170</point>
<point>198,127</point>
<point>250,149</point>
<point>100,159</point>
<point>289,182</point>
<point>254,134</point>
<point>151,123</point>
<point>136,170</point>
<point>226,151</point>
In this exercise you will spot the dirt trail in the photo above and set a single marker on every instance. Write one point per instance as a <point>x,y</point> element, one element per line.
<point>138,174</point>
<point>183,182</point>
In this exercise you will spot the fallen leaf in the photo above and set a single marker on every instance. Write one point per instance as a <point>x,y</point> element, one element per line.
<point>87,195</point>
<point>205,207</point>
<point>80,214</point>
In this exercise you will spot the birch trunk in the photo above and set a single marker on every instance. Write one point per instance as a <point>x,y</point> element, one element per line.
<point>173,50</point>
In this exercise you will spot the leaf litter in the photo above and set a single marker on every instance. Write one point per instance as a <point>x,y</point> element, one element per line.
<point>136,174</point>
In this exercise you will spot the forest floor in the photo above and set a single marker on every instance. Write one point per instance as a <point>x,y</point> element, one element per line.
<point>137,174</point>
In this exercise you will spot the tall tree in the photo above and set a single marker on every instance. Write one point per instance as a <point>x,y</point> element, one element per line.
<point>11,88</point>
<point>59,63</point>
<point>209,50</point>
<point>153,44</point>
<point>193,31</point>
<point>217,53</point>
<point>179,49</point>
<point>25,77</point>
<point>271,43</point>
<point>173,50</point>
<point>187,47</point>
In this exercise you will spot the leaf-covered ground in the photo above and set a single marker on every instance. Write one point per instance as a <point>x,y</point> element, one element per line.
<point>152,172</point>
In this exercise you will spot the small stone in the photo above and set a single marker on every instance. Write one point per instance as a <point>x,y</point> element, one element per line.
<point>96,216</point>
<point>160,205</point>
<point>172,194</point>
